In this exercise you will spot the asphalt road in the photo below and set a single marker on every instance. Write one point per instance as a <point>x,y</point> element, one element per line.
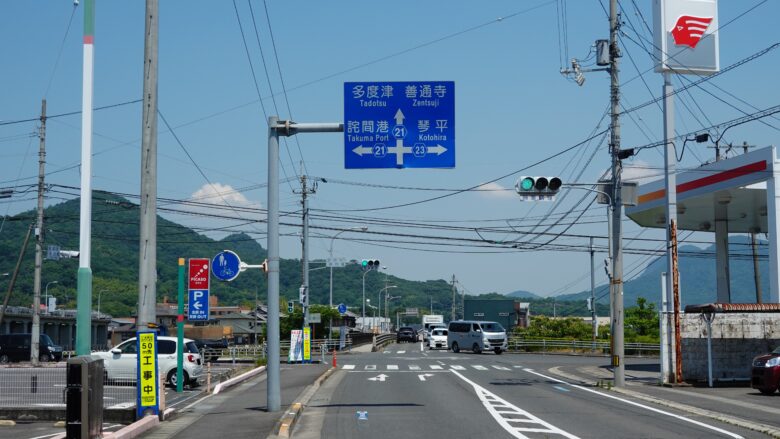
<point>405,392</point>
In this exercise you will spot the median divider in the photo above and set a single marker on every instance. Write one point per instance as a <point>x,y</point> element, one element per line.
<point>238,379</point>
<point>286,424</point>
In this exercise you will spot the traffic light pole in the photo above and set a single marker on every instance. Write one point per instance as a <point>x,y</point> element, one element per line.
<point>616,283</point>
<point>278,128</point>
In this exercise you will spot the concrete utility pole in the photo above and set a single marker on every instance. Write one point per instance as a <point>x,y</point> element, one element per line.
<point>147,264</point>
<point>454,294</point>
<point>616,284</point>
<point>305,191</point>
<point>275,129</point>
<point>36,321</point>
<point>595,323</point>
<point>84,276</point>
<point>670,186</point>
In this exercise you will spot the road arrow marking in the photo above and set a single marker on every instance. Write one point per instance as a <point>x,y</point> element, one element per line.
<point>423,375</point>
<point>399,117</point>
<point>438,149</point>
<point>381,377</point>
<point>360,150</point>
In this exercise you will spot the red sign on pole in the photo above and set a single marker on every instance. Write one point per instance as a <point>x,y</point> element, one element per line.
<point>199,274</point>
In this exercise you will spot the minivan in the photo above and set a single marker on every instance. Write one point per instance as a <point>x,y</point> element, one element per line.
<point>476,336</point>
<point>16,347</point>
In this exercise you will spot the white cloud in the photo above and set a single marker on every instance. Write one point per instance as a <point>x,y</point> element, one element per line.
<point>221,195</point>
<point>495,190</point>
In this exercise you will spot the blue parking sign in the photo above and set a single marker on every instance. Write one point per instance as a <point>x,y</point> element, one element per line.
<point>198,305</point>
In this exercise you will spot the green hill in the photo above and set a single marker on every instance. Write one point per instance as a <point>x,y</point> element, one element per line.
<point>115,235</point>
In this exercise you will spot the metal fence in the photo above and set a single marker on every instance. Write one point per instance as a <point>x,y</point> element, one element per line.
<point>43,387</point>
<point>519,344</point>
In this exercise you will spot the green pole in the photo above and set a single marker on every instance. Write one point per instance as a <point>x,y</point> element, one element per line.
<point>180,331</point>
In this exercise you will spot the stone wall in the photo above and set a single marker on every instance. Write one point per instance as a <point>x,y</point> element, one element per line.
<point>736,339</point>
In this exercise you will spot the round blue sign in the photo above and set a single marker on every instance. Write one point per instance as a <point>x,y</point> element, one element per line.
<point>225,265</point>
<point>342,308</point>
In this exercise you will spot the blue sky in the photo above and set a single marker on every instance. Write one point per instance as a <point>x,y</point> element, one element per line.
<point>513,109</point>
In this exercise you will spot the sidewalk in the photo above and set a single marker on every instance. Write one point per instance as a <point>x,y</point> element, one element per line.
<point>738,405</point>
<point>240,411</point>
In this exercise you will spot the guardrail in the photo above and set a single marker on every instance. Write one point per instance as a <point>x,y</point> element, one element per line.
<point>254,352</point>
<point>382,340</point>
<point>518,344</point>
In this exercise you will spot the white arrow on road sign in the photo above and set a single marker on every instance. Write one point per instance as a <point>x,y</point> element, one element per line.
<point>197,305</point>
<point>360,150</point>
<point>380,377</point>
<point>438,149</point>
<point>399,117</point>
<point>423,375</point>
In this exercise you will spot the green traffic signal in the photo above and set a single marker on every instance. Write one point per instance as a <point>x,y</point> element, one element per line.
<point>527,184</point>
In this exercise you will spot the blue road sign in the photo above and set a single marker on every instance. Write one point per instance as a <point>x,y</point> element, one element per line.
<point>342,308</point>
<point>399,124</point>
<point>198,306</point>
<point>225,265</point>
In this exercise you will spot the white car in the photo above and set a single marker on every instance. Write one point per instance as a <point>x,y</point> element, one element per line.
<point>121,362</point>
<point>438,338</point>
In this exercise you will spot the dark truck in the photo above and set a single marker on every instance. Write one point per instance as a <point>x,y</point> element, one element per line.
<point>211,349</point>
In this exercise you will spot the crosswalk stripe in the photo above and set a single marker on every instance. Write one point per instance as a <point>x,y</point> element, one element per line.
<point>401,352</point>
<point>370,367</point>
<point>457,367</point>
<point>414,367</point>
<point>500,367</point>
<point>517,366</point>
<point>436,367</point>
<point>478,367</point>
<point>348,366</point>
<point>392,367</point>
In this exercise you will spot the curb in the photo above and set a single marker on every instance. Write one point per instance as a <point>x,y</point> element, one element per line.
<point>731,420</point>
<point>237,379</point>
<point>287,422</point>
<point>7,423</point>
<point>135,429</point>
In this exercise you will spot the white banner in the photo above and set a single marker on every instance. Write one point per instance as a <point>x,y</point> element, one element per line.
<point>296,346</point>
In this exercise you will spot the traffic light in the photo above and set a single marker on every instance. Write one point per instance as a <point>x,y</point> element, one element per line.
<point>290,306</point>
<point>370,264</point>
<point>538,188</point>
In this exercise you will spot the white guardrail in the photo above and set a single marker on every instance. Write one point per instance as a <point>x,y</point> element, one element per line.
<point>518,344</point>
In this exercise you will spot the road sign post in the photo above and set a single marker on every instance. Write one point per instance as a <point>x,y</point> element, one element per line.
<point>399,124</point>
<point>148,383</point>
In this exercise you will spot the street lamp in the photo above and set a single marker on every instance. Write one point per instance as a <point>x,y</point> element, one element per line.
<point>330,252</point>
<point>379,298</point>
<point>387,299</point>
<point>47,293</point>
<point>100,293</point>
<point>368,302</point>
<point>379,311</point>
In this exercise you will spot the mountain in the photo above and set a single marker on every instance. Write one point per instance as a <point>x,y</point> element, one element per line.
<point>521,294</point>
<point>697,276</point>
<point>115,243</point>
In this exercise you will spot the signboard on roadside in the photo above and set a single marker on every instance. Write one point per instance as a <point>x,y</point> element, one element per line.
<point>148,396</point>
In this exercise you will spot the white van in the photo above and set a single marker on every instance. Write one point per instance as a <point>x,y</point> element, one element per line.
<point>476,336</point>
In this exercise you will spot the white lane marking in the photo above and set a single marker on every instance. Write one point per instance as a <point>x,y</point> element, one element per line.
<point>498,408</point>
<point>401,352</point>
<point>392,367</point>
<point>423,375</point>
<point>440,362</point>
<point>381,378</point>
<point>386,352</point>
<point>348,366</point>
<point>636,404</point>
<point>478,367</point>
<point>414,367</point>
<point>48,435</point>
<point>457,367</point>
<point>435,367</point>
<point>561,388</point>
<point>517,366</point>
<point>370,367</point>
<point>500,367</point>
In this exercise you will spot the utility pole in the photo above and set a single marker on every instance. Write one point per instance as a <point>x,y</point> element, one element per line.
<point>84,276</point>
<point>593,292</point>
<point>305,191</point>
<point>616,284</point>
<point>147,272</point>
<point>36,321</point>
<point>454,294</point>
